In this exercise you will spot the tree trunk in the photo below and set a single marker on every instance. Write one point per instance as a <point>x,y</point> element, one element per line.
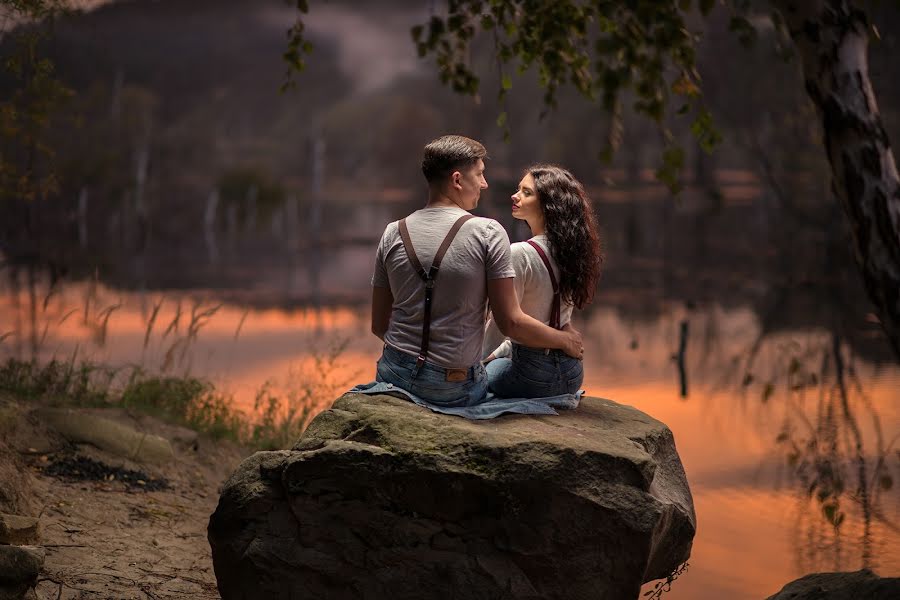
<point>831,37</point>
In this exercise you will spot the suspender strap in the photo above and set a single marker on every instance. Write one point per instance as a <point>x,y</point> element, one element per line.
<point>554,311</point>
<point>428,276</point>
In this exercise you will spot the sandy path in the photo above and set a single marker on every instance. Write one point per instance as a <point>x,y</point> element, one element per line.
<point>104,540</point>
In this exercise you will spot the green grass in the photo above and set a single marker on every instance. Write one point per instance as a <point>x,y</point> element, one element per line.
<point>187,401</point>
<point>56,381</point>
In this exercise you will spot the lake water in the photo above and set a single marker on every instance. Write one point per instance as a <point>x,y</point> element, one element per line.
<point>774,458</point>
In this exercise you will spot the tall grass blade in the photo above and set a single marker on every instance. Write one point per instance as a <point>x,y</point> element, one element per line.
<point>151,321</point>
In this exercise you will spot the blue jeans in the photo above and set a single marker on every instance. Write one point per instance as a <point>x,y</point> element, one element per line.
<point>430,384</point>
<point>534,373</point>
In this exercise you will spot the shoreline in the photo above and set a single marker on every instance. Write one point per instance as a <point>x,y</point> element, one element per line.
<point>106,534</point>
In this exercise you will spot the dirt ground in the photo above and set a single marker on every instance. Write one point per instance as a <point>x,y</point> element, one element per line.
<point>111,538</point>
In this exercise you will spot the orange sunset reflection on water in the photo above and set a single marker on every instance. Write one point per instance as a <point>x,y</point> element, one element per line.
<point>772,460</point>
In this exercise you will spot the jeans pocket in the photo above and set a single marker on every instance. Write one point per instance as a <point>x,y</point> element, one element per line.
<point>538,369</point>
<point>538,375</point>
<point>447,393</point>
<point>389,373</point>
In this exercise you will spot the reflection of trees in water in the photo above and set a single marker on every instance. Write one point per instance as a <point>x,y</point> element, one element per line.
<point>839,477</point>
<point>41,303</point>
<point>820,392</point>
<point>33,292</point>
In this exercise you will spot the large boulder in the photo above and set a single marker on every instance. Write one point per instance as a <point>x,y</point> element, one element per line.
<point>841,586</point>
<point>381,499</point>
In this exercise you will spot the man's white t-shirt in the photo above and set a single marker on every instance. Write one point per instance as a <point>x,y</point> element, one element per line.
<point>479,252</point>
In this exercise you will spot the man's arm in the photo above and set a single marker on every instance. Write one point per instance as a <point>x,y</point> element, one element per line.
<point>526,330</point>
<point>382,303</point>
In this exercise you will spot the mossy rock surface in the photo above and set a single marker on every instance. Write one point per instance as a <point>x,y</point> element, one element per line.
<point>383,499</point>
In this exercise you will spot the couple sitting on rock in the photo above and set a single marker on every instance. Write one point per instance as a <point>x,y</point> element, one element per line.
<point>437,269</point>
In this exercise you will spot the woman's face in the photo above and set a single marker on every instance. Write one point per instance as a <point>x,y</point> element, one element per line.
<point>526,205</point>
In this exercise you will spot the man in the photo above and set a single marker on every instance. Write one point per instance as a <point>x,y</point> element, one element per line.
<point>431,316</point>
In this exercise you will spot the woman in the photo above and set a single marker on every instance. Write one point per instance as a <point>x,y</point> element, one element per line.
<point>558,212</point>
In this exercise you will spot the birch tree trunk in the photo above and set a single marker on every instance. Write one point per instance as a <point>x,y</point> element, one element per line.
<point>831,37</point>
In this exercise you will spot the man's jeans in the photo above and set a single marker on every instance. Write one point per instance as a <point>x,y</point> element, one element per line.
<point>429,383</point>
<point>532,373</point>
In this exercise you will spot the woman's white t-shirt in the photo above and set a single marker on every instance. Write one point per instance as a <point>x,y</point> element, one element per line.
<point>534,291</point>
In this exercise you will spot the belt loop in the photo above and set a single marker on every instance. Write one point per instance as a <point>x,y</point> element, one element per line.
<point>419,362</point>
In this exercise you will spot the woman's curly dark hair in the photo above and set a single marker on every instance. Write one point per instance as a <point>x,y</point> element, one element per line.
<point>571,229</point>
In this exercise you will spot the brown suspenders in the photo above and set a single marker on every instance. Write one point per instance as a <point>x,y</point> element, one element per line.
<point>429,276</point>
<point>554,312</point>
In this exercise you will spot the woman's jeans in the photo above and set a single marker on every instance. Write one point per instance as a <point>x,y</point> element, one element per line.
<point>534,373</point>
<point>430,381</point>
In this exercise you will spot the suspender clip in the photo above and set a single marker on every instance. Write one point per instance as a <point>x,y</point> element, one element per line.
<point>429,283</point>
<point>420,360</point>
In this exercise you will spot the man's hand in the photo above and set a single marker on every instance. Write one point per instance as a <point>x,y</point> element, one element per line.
<point>526,330</point>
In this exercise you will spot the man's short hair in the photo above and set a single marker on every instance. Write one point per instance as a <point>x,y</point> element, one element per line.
<point>450,153</point>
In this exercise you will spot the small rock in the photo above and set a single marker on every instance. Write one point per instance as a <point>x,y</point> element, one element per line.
<point>17,591</point>
<point>841,586</point>
<point>18,530</point>
<point>19,566</point>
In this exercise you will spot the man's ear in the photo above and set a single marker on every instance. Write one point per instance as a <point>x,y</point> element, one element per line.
<point>456,179</point>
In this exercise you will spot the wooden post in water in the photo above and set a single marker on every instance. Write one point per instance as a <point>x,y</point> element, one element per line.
<point>680,357</point>
<point>314,259</point>
<point>141,220</point>
<point>209,226</point>
<point>292,241</point>
<point>82,217</point>
<point>231,224</point>
<point>250,209</point>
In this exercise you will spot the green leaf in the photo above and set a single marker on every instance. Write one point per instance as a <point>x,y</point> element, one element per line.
<point>670,170</point>
<point>501,119</point>
<point>684,86</point>
<point>506,82</point>
<point>705,131</point>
